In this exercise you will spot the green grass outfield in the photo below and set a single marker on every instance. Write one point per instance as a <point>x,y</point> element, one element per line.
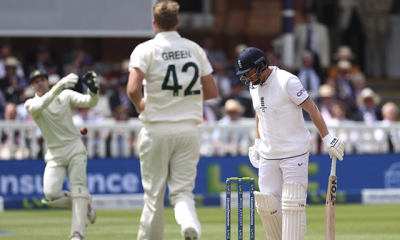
<point>355,222</point>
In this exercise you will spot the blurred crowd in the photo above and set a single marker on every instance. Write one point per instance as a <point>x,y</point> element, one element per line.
<point>335,82</point>
<point>15,86</point>
<point>113,106</point>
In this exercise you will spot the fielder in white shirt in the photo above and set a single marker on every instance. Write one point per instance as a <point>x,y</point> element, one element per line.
<point>177,78</point>
<point>51,109</point>
<point>281,149</point>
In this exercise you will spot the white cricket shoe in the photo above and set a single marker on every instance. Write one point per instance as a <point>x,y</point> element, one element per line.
<point>76,236</point>
<point>91,214</point>
<point>189,234</point>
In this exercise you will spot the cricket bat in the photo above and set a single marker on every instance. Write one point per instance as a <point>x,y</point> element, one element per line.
<point>331,203</point>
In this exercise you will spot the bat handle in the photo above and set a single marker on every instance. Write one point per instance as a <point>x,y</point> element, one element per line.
<point>333,167</point>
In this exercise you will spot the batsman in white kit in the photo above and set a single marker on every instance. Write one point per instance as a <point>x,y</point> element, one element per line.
<point>282,145</point>
<point>177,78</point>
<point>51,109</point>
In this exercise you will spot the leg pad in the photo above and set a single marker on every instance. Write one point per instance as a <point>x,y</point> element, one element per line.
<point>293,211</point>
<point>269,209</point>
<point>80,201</point>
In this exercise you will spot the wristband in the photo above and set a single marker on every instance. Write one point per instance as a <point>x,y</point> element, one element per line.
<point>327,139</point>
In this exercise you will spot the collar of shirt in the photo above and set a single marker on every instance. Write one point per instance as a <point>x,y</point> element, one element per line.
<point>271,76</point>
<point>168,35</point>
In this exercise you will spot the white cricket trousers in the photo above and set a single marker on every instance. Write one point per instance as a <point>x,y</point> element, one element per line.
<point>72,158</point>
<point>169,154</point>
<point>273,173</point>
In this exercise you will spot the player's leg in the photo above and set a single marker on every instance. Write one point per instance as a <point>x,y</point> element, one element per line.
<point>91,214</point>
<point>154,158</point>
<point>268,200</point>
<point>79,193</point>
<point>181,182</point>
<point>269,209</point>
<point>295,175</point>
<point>78,157</point>
<point>53,180</point>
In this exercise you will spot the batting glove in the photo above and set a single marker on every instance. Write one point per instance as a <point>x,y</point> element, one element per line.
<point>334,146</point>
<point>68,81</point>
<point>90,80</point>
<point>254,156</point>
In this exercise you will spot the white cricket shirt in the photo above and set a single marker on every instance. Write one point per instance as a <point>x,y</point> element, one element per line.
<point>281,124</point>
<point>172,66</point>
<point>55,119</point>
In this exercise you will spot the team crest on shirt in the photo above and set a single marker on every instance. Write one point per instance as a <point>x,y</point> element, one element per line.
<point>263,107</point>
<point>58,101</point>
<point>299,93</point>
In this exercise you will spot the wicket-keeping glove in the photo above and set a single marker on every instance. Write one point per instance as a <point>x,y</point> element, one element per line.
<point>334,146</point>
<point>68,81</point>
<point>254,156</point>
<point>90,80</point>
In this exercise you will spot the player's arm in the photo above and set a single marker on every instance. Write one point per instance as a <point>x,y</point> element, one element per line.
<point>257,132</point>
<point>296,92</point>
<point>319,122</point>
<point>333,144</point>
<point>254,154</point>
<point>134,89</point>
<point>83,100</point>
<point>210,89</point>
<point>35,106</point>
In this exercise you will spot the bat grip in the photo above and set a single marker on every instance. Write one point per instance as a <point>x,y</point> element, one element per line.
<point>333,167</point>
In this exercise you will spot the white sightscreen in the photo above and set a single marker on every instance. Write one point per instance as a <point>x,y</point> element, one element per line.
<point>114,18</point>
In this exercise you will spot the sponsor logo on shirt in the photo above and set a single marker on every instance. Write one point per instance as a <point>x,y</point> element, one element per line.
<point>263,107</point>
<point>301,92</point>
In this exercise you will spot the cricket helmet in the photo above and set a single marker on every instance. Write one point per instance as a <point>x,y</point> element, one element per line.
<point>248,59</point>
